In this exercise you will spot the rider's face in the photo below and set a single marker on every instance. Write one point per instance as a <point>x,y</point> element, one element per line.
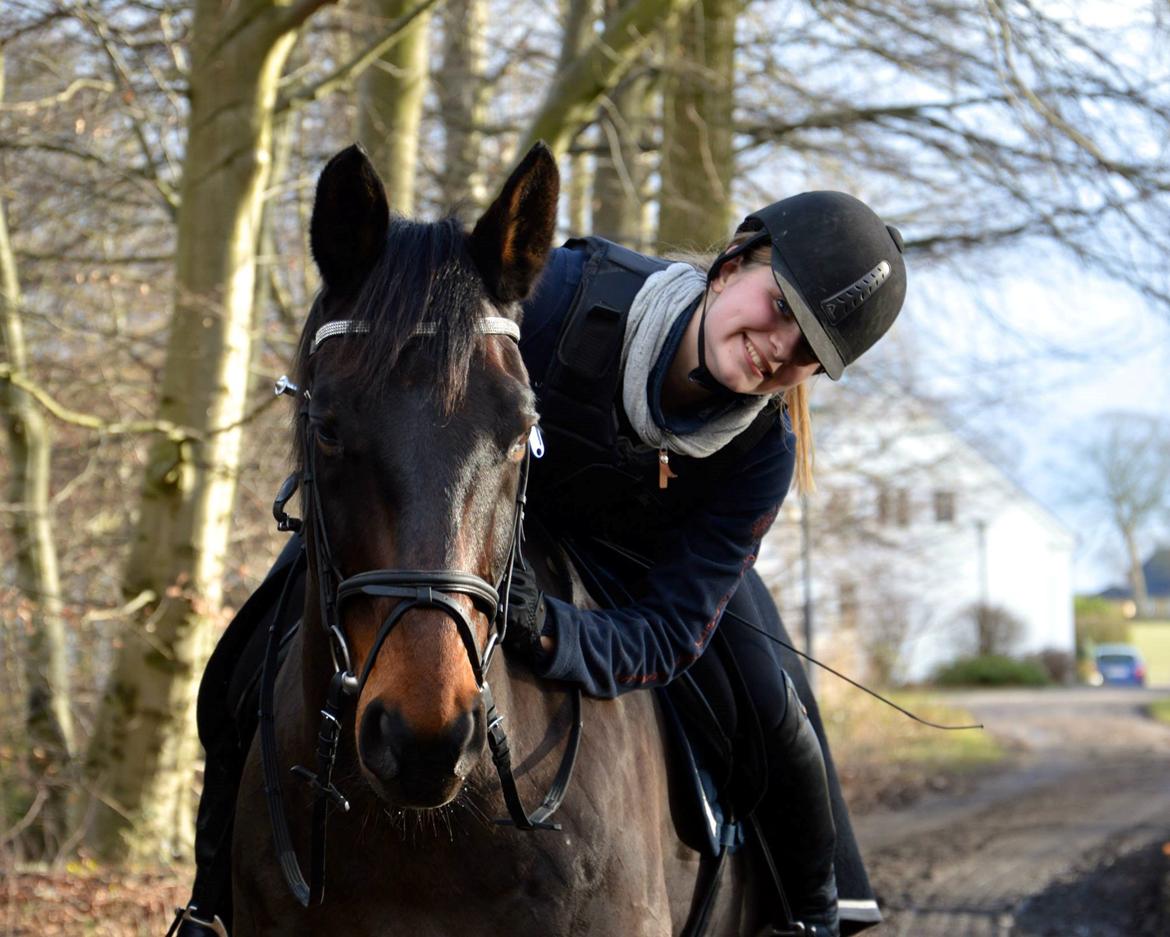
<point>754,345</point>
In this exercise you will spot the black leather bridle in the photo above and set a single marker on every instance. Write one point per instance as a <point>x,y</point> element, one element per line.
<point>415,589</point>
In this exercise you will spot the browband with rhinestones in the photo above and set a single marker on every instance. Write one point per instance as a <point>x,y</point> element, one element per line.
<point>488,325</point>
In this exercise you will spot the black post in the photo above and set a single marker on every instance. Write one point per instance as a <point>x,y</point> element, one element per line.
<point>806,570</point>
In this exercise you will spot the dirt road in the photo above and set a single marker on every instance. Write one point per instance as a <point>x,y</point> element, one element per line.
<point>1067,841</point>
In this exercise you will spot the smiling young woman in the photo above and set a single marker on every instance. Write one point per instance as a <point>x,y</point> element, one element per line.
<point>680,454</point>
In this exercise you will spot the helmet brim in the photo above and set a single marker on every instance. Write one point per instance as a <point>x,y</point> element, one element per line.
<point>818,339</point>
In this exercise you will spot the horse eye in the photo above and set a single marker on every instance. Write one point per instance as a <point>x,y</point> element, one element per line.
<point>517,449</point>
<point>326,438</point>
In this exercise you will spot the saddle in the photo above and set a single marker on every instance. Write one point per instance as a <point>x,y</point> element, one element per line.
<point>717,768</point>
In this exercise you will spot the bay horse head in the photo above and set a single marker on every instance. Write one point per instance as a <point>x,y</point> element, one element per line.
<point>413,426</point>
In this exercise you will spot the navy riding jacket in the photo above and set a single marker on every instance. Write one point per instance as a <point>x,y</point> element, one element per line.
<point>697,564</point>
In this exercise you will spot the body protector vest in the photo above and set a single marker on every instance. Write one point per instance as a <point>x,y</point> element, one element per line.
<point>597,477</point>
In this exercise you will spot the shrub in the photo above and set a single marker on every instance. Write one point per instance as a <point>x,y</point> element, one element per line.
<point>1060,666</point>
<point>991,670</point>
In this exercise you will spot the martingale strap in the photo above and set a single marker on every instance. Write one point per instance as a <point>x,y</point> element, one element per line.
<point>502,759</point>
<point>304,892</point>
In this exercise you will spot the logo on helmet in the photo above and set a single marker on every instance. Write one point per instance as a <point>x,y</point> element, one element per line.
<point>838,306</point>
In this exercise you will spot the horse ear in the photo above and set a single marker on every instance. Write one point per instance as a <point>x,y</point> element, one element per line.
<point>350,219</point>
<point>510,243</point>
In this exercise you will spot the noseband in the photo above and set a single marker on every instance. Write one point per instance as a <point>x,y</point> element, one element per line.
<point>431,589</point>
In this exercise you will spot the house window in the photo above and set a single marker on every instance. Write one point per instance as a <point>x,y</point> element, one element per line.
<point>903,507</point>
<point>840,504</point>
<point>893,506</point>
<point>944,507</point>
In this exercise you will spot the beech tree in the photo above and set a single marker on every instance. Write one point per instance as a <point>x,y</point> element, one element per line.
<point>48,718</point>
<point>571,101</point>
<point>140,751</point>
<point>697,163</point>
<point>462,92</point>
<point>390,100</point>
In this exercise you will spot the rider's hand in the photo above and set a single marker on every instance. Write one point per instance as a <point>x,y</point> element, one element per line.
<point>525,616</point>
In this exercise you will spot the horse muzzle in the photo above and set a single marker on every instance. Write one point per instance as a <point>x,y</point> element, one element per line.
<point>410,769</point>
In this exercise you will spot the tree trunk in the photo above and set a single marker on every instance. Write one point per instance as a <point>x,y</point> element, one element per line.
<point>572,100</point>
<point>137,763</point>
<point>619,185</point>
<point>1137,573</point>
<point>463,94</point>
<point>579,17</point>
<point>48,719</point>
<point>697,154</point>
<point>390,99</point>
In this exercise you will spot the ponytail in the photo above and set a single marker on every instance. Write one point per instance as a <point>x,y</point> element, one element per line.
<point>796,402</point>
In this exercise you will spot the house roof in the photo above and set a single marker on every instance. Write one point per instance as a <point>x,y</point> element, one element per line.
<point>1157,570</point>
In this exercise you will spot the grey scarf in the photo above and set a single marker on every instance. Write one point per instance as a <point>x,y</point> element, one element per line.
<point>663,298</point>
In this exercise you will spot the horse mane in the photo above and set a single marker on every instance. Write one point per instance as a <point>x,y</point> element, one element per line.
<point>423,274</point>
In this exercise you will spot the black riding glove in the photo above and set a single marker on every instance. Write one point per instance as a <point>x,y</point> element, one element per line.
<point>525,616</point>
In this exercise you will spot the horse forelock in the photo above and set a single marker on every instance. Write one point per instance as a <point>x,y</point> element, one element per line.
<point>424,274</point>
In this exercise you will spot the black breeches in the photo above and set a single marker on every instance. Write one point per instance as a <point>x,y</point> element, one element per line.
<point>764,665</point>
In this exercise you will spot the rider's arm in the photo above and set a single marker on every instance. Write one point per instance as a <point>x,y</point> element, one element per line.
<point>698,568</point>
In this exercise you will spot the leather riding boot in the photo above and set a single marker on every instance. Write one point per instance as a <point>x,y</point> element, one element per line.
<point>796,820</point>
<point>211,894</point>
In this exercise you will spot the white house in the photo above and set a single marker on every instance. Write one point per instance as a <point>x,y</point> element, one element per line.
<point>910,530</point>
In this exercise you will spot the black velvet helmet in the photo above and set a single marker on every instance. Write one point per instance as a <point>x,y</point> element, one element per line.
<point>839,266</point>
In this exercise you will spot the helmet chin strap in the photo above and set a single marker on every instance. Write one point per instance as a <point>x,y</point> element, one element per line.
<point>701,375</point>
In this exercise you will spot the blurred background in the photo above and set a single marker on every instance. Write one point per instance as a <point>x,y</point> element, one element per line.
<point>993,500</point>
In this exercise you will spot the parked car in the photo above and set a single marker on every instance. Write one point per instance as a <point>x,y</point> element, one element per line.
<point>1118,665</point>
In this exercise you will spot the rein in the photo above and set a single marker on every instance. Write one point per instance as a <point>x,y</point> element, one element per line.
<point>414,589</point>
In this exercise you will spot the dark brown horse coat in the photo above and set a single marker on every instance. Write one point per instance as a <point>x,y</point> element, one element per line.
<point>412,443</point>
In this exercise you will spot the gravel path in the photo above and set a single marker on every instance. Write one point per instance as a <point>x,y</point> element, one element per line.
<point>1068,840</point>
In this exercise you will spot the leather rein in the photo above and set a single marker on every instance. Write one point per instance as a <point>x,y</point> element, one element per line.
<point>415,589</point>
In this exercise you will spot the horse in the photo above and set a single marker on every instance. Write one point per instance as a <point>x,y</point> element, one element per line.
<point>414,422</point>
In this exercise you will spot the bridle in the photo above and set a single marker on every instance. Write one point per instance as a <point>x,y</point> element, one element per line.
<point>414,588</point>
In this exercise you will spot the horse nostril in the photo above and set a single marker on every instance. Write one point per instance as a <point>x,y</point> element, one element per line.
<point>381,740</point>
<point>460,737</point>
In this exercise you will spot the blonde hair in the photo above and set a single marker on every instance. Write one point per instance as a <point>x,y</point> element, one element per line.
<point>796,403</point>
<point>796,398</point>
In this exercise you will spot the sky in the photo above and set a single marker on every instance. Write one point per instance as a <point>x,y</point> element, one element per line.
<point>1029,358</point>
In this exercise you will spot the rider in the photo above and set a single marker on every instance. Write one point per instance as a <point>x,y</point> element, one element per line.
<point>674,409</point>
<point>670,445</point>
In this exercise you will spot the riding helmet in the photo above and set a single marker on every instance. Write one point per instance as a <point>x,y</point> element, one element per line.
<point>839,266</point>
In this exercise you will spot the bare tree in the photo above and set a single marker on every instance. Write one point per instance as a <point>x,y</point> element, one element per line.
<point>697,154</point>
<point>986,125</point>
<point>138,753</point>
<point>49,718</point>
<point>390,99</point>
<point>579,18</point>
<point>995,630</point>
<point>571,101</point>
<point>1127,477</point>
<point>463,93</point>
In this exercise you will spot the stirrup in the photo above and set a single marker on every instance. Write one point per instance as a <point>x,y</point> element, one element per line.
<point>797,929</point>
<point>197,927</point>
